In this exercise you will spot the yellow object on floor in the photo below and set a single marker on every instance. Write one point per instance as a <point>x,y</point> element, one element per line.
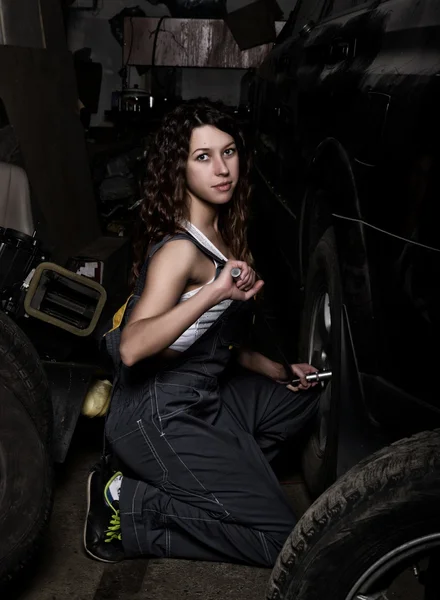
<point>97,401</point>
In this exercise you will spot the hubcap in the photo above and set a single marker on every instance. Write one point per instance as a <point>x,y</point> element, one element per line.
<point>320,333</point>
<point>395,571</point>
<point>320,352</point>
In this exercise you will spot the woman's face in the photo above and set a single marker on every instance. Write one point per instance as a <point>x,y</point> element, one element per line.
<point>212,169</point>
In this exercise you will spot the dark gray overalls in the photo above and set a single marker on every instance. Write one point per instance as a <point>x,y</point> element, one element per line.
<point>198,448</point>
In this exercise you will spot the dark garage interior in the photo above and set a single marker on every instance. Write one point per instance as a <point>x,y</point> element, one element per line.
<point>170,425</point>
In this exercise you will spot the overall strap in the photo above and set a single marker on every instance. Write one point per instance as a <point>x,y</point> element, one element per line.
<point>113,337</point>
<point>177,236</point>
<point>140,283</point>
<point>185,235</point>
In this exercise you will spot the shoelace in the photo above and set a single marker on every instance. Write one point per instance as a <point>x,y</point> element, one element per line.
<point>114,530</point>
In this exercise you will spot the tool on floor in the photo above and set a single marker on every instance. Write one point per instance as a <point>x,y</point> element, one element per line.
<point>314,377</point>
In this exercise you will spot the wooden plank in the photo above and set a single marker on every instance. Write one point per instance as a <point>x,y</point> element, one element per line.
<point>188,43</point>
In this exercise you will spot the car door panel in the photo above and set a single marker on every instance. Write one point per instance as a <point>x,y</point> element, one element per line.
<point>399,193</point>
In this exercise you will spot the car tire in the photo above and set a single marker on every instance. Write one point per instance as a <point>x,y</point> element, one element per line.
<point>377,519</point>
<point>323,289</point>
<point>26,477</point>
<point>22,373</point>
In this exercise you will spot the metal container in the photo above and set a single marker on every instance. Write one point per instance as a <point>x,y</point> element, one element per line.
<point>136,100</point>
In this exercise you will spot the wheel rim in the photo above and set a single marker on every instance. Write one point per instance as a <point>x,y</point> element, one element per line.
<point>320,333</point>
<point>375,583</point>
<point>320,352</point>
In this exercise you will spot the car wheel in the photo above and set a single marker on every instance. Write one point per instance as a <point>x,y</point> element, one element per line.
<point>373,533</point>
<point>25,451</point>
<point>320,346</point>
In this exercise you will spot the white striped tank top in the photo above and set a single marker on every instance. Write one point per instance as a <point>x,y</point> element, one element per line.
<point>204,322</point>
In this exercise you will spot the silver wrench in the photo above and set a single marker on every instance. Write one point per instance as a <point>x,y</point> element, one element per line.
<point>314,378</point>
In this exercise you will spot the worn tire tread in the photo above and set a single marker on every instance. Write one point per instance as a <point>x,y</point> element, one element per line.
<point>21,372</point>
<point>417,455</point>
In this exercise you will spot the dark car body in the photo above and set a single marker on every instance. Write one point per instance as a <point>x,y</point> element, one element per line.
<point>346,112</point>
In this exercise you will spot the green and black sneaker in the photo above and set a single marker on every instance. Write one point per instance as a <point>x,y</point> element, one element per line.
<point>102,531</point>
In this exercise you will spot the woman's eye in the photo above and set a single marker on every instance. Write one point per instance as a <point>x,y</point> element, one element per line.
<point>230,151</point>
<point>202,157</point>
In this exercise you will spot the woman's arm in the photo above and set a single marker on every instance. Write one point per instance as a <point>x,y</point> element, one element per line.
<point>158,319</point>
<point>254,361</point>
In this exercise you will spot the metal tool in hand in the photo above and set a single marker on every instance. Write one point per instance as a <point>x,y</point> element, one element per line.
<point>313,378</point>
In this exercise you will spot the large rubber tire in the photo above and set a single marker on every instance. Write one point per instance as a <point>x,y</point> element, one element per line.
<point>382,503</point>
<point>22,373</point>
<point>26,478</point>
<point>323,277</point>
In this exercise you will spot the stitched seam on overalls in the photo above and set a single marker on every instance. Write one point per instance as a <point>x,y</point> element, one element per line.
<point>153,451</point>
<point>162,434</point>
<point>180,410</point>
<point>177,516</point>
<point>189,470</point>
<point>186,374</point>
<point>264,544</point>
<point>164,521</point>
<point>214,345</point>
<point>191,387</point>
<point>157,409</point>
<point>217,501</point>
<point>175,372</point>
<point>113,440</point>
<point>132,516</point>
<point>188,493</point>
<point>206,370</point>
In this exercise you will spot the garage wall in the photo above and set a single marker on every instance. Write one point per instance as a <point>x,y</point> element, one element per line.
<point>91,30</point>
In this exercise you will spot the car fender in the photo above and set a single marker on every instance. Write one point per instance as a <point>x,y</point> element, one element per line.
<point>331,199</point>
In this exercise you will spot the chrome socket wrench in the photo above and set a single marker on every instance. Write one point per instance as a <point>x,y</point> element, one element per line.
<point>314,378</point>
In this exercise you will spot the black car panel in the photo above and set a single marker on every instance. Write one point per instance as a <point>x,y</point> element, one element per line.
<point>347,125</point>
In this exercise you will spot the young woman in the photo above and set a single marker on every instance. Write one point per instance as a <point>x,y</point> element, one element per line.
<point>196,444</point>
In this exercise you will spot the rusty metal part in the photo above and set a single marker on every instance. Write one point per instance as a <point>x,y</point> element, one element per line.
<point>188,43</point>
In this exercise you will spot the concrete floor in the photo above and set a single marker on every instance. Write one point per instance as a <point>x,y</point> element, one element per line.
<point>64,572</point>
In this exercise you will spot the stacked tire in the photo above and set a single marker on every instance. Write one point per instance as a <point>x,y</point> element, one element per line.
<point>26,477</point>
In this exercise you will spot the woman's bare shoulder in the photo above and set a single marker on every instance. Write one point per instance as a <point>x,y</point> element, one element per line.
<point>171,267</point>
<point>168,272</point>
<point>181,253</point>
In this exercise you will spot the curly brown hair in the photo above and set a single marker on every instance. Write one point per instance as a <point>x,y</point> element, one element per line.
<point>165,202</point>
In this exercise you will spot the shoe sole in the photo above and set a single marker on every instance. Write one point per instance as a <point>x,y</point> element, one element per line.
<point>112,562</point>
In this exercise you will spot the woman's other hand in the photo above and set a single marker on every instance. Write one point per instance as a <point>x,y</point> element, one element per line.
<point>301,370</point>
<point>242,288</point>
